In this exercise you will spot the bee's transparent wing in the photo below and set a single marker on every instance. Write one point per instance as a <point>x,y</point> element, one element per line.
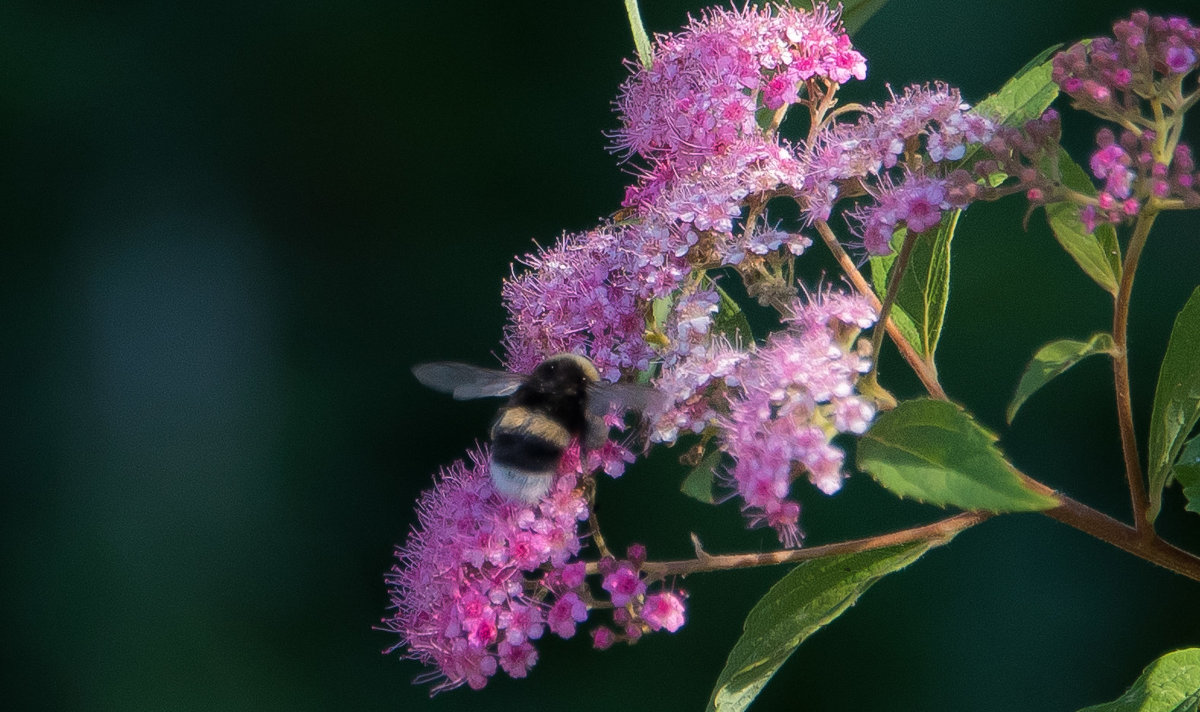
<point>465,381</point>
<point>606,397</point>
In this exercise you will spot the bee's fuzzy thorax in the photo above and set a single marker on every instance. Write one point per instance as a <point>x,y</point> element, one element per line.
<point>582,362</point>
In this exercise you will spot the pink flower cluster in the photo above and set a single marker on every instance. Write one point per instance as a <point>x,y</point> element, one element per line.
<point>692,116</point>
<point>482,577</point>
<point>462,588</point>
<point>711,196</point>
<point>918,202</point>
<point>776,408</point>
<point>794,395</point>
<point>692,386</point>
<point>586,295</point>
<point>702,91</point>
<point>762,240</point>
<point>935,115</point>
<point>635,611</point>
<point>930,124</point>
<point>591,294</point>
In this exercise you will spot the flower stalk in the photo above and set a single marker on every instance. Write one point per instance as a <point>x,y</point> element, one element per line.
<point>889,300</point>
<point>1120,358</point>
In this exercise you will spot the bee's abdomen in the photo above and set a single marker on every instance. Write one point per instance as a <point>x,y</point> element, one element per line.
<point>529,440</point>
<point>525,453</point>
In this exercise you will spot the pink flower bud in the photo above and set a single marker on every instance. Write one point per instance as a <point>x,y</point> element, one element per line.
<point>663,610</point>
<point>603,638</point>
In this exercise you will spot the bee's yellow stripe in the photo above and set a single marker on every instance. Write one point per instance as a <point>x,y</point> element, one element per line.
<point>526,422</point>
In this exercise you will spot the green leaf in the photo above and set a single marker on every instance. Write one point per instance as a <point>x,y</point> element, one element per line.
<point>920,306</point>
<point>1053,360</point>
<point>934,452</point>
<point>641,41</point>
<point>1098,253</point>
<point>731,320</point>
<point>1169,684</point>
<point>1187,473</point>
<point>808,598</point>
<point>1176,399</point>
<point>1189,477</point>
<point>855,13</point>
<point>763,117</point>
<point>1029,93</point>
<point>660,309</point>
<point>1026,95</point>
<point>698,484</point>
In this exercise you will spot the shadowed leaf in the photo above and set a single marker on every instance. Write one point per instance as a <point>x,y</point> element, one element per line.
<point>698,484</point>
<point>1176,399</point>
<point>1053,360</point>
<point>1187,473</point>
<point>811,596</point>
<point>731,320</point>
<point>1097,253</point>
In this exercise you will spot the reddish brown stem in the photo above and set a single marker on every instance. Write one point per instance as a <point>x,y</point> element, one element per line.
<point>923,370</point>
<point>1105,528</point>
<point>1138,540</point>
<point>1124,537</point>
<point>937,534</point>
<point>1133,467</point>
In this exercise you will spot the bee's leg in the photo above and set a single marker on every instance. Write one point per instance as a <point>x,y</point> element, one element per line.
<point>596,434</point>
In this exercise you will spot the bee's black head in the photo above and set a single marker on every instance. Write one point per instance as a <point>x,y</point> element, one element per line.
<point>564,375</point>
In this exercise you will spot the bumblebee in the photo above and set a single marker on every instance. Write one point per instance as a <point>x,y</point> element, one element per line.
<point>562,399</point>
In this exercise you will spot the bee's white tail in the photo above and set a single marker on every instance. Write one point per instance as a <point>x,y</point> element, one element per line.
<point>521,485</point>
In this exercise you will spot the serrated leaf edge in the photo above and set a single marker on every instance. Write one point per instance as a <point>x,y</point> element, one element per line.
<point>991,440</point>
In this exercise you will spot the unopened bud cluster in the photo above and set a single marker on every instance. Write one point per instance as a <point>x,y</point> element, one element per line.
<point>1142,80</point>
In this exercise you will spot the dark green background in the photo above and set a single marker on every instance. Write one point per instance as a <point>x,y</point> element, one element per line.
<point>230,230</point>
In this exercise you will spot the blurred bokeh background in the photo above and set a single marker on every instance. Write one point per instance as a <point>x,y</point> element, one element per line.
<point>229,230</point>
